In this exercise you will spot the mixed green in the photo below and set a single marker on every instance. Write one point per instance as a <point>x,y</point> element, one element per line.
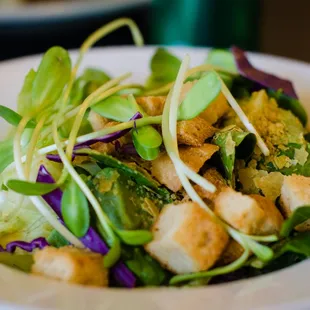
<point>122,169</point>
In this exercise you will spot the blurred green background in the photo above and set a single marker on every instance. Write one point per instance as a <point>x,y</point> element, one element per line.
<point>270,26</point>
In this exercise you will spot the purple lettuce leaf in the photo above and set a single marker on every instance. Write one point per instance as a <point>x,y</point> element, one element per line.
<point>263,79</point>
<point>119,272</point>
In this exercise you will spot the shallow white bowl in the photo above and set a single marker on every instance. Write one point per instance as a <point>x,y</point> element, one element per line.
<point>285,289</point>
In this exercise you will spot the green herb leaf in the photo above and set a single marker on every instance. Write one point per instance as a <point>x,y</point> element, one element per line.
<point>91,168</point>
<point>299,216</point>
<point>135,237</point>
<point>203,93</point>
<point>14,118</point>
<point>75,209</point>
<point>52,76</point>
<point>24,102</point>
<point>116,108</point>
<point>146,269</point>
<point>234,143</point>
<point>21,262</point>
<point>29,188</point>
<point>111,258</point>
<point>56,240</point>
<point>164,67</point>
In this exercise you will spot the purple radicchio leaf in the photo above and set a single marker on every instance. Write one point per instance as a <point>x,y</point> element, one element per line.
<point>119,272</point>
<point>263,79</point>
<point>38,243</point>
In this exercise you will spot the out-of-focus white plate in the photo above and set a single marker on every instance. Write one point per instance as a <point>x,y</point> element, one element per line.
<point>286,289</point>
<point>16,11</point>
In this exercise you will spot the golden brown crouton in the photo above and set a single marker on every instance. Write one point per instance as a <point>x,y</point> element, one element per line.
<point>187,238</point>
<point>213,176</point>
<point>194,132</point>
<point>273,218</point>
<point>253,215</point>
<point>97,121</point>
<point>232,252</point>
<point>295,193</point>
<point>152,105</point>
<point>215,110</point>
<point>163,169</point>
<point>71,265</point>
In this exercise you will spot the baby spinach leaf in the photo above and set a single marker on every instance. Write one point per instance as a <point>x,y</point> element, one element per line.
<point>21,262</point>
<point>52,76</point>
<point>291,104</point>
<point>75,210</point>
<point>299,216</point>
<point>139,175</point>
<point>164,68</point>
<point>24,101</point>
<point>147,269</point>
<point>117,108</point>
<point>29,188</point>
<point>203,93</point>
<point>117,196</point>
<point>234,143</point>
<point>56,240</point>
<point>14,118</point>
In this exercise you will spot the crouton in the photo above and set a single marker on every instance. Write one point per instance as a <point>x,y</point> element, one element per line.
<point>295,193</point>
<point>97,121</point>
<point>186,238</point>
<point>163,169</point>
<point>70,265</point>
<point>253,215</point>
<point>213,176</point>
<point>232,252</point>
<point>215,110</point>
<point>152,105</point>
<point>194,132</point>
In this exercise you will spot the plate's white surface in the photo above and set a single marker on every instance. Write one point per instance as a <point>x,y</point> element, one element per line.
<point>17,10</point>
<point>286,289</point>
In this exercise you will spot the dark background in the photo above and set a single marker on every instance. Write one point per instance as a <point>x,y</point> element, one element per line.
<point>278,27</point>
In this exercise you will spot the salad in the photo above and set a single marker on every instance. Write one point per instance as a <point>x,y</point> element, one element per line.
<point>199,176</point>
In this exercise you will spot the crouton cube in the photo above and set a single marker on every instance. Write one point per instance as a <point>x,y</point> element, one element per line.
<point>254,214</point>
<point>213,176</point>
<point>232,252</point>
<point>97,121</point>
<point>295,193</point>
<point>194,132</point>
<point>163,169</point>
<point>215,110</point>
<point>152,105</point>
<point>71,265</point>
<point>187,238</point>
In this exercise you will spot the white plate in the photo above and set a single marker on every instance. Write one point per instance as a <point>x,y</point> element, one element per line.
<point>286,289</point>
<point>19,11</point>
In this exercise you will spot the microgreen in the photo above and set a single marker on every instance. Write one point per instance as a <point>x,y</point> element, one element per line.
<point>74,209</point>
<point>29,188</point>
<point>135,237</point>
<point>14,118</point>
